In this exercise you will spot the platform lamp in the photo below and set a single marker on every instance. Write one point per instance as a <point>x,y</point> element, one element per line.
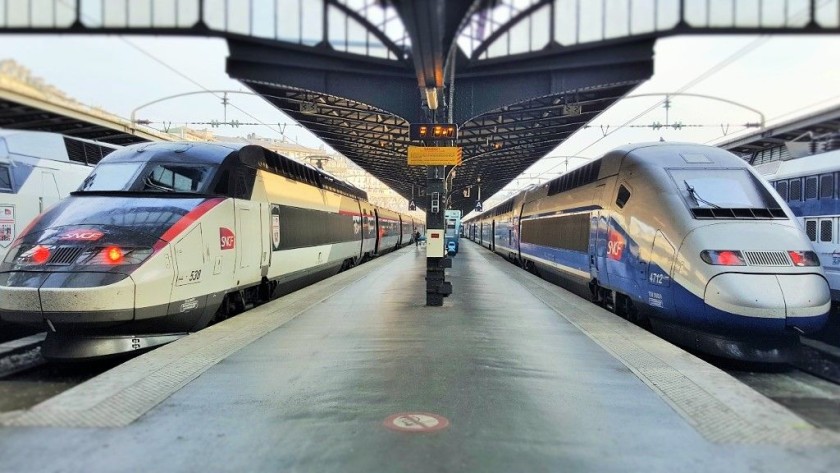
<point>478,206</point>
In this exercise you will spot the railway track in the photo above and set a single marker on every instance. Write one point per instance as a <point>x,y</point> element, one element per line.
<point>27,379</point>
<point>810,386</point>
<point>21,355</point>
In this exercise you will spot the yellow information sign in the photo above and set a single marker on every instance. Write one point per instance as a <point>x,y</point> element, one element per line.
<point>434,155</point>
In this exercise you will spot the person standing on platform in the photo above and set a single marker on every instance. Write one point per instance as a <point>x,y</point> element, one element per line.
<point>416,237</point>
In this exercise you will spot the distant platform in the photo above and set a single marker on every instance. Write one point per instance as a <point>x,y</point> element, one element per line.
<point>355,374</point>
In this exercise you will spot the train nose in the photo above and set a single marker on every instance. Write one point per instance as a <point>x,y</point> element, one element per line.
<point>58,298</point>
<point>797,300</point>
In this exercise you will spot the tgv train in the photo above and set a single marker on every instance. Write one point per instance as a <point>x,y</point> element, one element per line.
<point>37,169</point>
<point>163,239</point>
<point>811,185</point>
<point>686,238</point>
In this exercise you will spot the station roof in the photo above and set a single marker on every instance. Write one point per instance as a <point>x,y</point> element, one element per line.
<point>807,128</point>
<point>20,111</point>
<point>518,76</point>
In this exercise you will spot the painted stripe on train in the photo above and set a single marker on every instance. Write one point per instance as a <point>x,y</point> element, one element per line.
<point>186,221</point>
<point>573,262</point>
<point>575,210</point>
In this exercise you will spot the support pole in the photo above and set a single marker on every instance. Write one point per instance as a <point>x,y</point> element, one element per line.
<point>436,261</point>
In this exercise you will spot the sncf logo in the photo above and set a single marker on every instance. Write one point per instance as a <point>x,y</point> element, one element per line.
<point>615,245</point>
<point>83,235</point>
<point>226,239</point>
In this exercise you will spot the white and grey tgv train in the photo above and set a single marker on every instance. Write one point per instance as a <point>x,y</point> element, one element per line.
<point>163,239</point>
<point>685,237</point>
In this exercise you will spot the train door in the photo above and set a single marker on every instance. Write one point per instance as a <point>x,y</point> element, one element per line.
<point>601,244</point>
<point>597,238</point>
<point>659,269</point>
<point>248,223</point>
<point>593,240</point>
<point>377,231</point>
<point>492,244</point>
<point>189,260</point>
<point>266,236</point>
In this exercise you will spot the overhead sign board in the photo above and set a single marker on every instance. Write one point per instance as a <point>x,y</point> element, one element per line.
<point>433,131</point>
<point>434,155</point>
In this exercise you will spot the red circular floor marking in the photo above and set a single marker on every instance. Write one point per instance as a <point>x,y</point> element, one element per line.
<point>416,422</point>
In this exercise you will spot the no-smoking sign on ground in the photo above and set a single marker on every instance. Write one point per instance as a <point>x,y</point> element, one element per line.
<point>416,422</point>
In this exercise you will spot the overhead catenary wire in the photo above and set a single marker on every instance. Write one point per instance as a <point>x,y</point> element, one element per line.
<point>196,83</point>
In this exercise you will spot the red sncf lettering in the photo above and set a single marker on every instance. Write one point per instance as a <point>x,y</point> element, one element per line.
<point>227,240</point>
<point>86,235</point>
<point>615,245</point>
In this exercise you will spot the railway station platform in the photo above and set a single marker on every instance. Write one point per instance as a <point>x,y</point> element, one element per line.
<point>355,374</point>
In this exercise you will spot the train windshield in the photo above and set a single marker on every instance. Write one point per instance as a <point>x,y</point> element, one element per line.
<point>721,188</point>
<point>148,177</point>
<point>173,177</point>
<point>111,177</point>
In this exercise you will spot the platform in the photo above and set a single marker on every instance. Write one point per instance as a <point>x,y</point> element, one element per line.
<point>529,377</point>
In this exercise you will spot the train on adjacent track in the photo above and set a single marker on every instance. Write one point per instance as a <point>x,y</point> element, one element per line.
<point>810,185</point>
<point>163,239</point>
<point>684,238</point>
<point>37,169</point>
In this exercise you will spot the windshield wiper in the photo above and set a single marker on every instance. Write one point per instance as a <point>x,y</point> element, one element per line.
<point>696,196</point>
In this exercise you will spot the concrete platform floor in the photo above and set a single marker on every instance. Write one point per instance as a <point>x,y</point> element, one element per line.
<point>529,377</point>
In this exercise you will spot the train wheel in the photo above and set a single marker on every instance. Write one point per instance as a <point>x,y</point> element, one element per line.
<point>265,290</point>
<point>226,310</point>
<point>594,292</point>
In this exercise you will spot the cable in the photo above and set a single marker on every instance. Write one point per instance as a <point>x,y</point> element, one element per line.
<point>172,69</point>
<point>194,82</point>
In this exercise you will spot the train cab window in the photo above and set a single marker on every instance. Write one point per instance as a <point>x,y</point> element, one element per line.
<point>826,230</point>
<point>721,189</point>
<point>111,177</point>
<point>826,186</point>
<point>811,229</point>
<point>795,190</point>
<point>622,197</point>
<point>810,187</point>
<point>782,189</point>
<point>5,179</point>
<point>175,178</point>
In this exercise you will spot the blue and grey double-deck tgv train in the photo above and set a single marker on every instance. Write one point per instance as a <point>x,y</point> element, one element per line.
<point>685,237</point>
<point>162,239</point>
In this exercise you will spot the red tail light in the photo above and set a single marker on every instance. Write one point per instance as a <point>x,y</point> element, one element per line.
<point>723,257</point>
<point>114,255</point>
<point>804,258</point>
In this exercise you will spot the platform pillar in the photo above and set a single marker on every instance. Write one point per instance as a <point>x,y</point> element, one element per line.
<point>436,261</point>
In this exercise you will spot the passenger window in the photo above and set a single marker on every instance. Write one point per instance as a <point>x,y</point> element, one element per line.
<point>795,190</point>
<point>810,187</point>
<point>169,177</point>
<point>5,179</point>
<point>826,186</point>
<point>811,229</point>
<point>623,197</point>
<point>826,230</point>
<point>782,189</point>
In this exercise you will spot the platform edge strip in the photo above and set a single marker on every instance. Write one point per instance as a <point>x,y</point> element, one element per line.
<point>122,395</point>
<point>718,416</point>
